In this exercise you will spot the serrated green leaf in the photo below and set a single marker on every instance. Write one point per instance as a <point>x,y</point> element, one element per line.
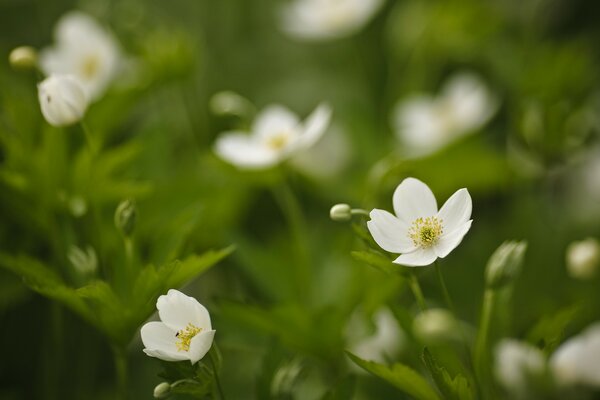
<point>377,260</point>
<point>457,388</point>
<point>401,376</point>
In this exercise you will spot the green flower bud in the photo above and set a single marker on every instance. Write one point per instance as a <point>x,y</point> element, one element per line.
<point>23,58</point>
<point>84,261</point>
<point>125,217</point>
<point>230,103</point>
<point>505,264</point>
<point>162,390</point>
<point>583,258</point>
<point>341,212</point>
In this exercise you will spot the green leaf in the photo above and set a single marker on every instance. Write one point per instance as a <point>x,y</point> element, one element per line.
<point>549,331</point>
<point>178,273</point>
<point>343,390</point>
<point>401,376</point>
<point>457,388</point>
<point>377,260</point>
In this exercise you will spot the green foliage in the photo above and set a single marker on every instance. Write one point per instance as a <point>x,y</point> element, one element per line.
<point>457,388</point>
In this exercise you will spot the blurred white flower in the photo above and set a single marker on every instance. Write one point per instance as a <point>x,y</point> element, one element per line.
<point>276,135</point>
<point>185,332</point>
<point>424,123</point>
<point>516,363</point>
<point>84,49</point>
<point>326,19</point>
<point>62,99</point>
<point>583,258</point>
<point>379,344</point>
<point>577,361</point>
<point>419,231</point>
<point>437,325</point>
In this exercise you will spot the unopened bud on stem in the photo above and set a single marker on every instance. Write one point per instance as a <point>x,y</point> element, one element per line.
<point>583,258</point>
<point>343,212</point>
<point>505,264</point>
<point>125,217</point>
<point>162,390</point>
<point>23,58</point>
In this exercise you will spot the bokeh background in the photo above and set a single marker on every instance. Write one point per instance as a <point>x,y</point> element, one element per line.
<point>533,171</point>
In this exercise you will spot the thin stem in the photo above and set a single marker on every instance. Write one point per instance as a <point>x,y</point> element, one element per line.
<point>120,356</point>
<point>444,288</point>
<point>359,211</point>
<point>413,282</point>
<point>481,356</point>
<point>88,137</point>
<point>216,374</point>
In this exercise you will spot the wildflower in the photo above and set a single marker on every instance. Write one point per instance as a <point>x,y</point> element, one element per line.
<point>424,123</point>
<point>84,49</point>
<point>419,231</point>
<point>326,19</point>
<point>517,364</point>
<point>437,325</point>
<point>505,264</point>
<point>276,135</point>
<point>577,361</point>
<point>377,340</point>
<point>184,333</point>
<point>583,258</point>
<point>62,100</point>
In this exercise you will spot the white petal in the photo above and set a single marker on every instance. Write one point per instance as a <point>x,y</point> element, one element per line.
<point>418,124</point>
<point>273,120</point>
<point>177,310</point>
<point>390,233</point>
<point>449,241</point>
<point>315,126</point>
<point>413,199</point>
<point>456,210</point>
<point>418,258</point>
<point>245,152</point>
<point>160,342</point>
<point>62,99</point>
<point>200,345</point>
<point>470,101</point>
<point>576,360</point>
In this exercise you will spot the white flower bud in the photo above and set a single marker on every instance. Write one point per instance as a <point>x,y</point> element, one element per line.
<point>23,58</point>
<point>341,212</point>
<point>84,261</point>
<point>505,264</point>
<point>62,99</point>
<point>229,103</point>
<point>583,258</point>
<point>436,325</point>
<point>125,217</point>
<point>162,390</point>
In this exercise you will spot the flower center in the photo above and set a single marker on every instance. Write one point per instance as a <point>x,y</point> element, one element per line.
<point>90,66</point>
<point>185,336</point>
<point>424,232</point>
<point>278,141</point>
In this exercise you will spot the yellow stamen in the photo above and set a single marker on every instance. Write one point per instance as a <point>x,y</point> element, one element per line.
<point>90,66</point>
<point>424,232</point>
<point>278,141</point>
<point>185,336</point>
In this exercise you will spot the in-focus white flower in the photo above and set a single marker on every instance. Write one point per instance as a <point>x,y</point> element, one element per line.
<point>276,135</point>
<point>577,361</point>
<point>62,99</point>
<point>184,333</point>
<point>424,123</point>
<point>85,49</point>
<point>326,19</point>
<point>419,231</point>
<point>583,258</point>
<point>516,363</point>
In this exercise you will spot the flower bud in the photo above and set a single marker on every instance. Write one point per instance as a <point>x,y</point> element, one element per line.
<point>62,99</point>
<point>125,217</point>
<point>341,212</point>
<point>23,58</point>
<point>583,258</point>
<point>162,390</point>
<point>436,325</point>
<point>505,264</point>
<point>229,103</point>
<point>85,262</point>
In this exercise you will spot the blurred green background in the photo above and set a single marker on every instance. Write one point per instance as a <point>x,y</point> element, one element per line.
<point>529,180</point>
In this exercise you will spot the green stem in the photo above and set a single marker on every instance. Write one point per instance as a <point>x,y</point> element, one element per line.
<point>413,282</point>
<point>120,356</point>
<point>444,288</point>
<point>88,137</point>
<point>359,211</point>
<point>482,355</point>
<point>290,207</point>
<point>216,375</point>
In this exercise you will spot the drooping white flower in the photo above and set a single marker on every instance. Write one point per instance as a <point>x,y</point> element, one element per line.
<point>419,231</point>
<point>85,49</point>
<point>516,363</point>
<point>425,123</point>
<point>326,19</point>
<point>276,134</point>
<point>184,333</point>
<point>381,342</point>
<point>583,258</point>
<point>62,99</point>
<point>577,361</point>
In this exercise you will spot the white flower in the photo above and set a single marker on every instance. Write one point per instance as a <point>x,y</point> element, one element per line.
<point>424,123</point>
<point>437,325</point>
<point>326,19</point>
<point>583,258</point>
<point>84,49</point>
<point>185,332</point>
<point>418,230</point>
<point>276,135</point>
<point>516,363</point>
<point>62,99</point>
<point>379,343</point>
<point>577,361</point>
